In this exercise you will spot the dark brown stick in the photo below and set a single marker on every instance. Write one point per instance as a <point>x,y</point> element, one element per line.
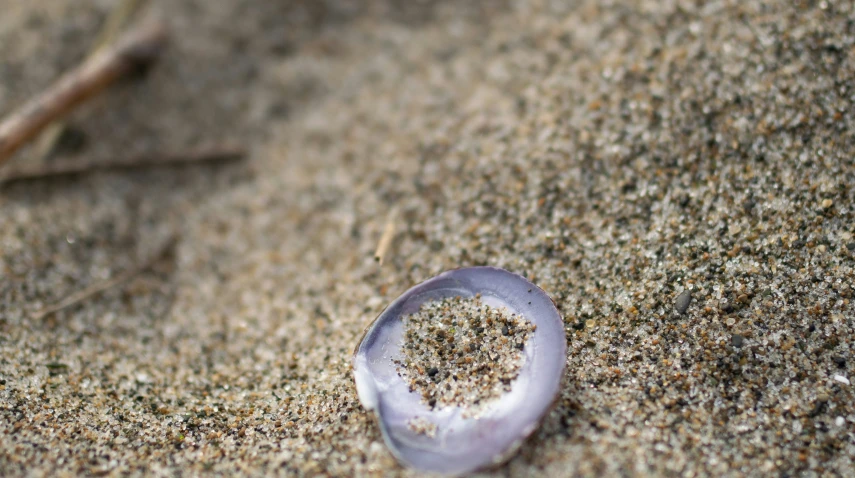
<point>99,287</point>
<point>131,52</point>
<point>206,155</point>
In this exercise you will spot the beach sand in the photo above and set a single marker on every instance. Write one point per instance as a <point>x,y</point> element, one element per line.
<point>678,176</point>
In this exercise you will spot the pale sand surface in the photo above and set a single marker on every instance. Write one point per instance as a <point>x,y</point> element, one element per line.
<point>615,153</point>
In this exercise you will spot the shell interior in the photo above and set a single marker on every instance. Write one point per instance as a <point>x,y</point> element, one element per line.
<point>461,445</point>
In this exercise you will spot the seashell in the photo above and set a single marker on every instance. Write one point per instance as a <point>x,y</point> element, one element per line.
<point>460,443</point>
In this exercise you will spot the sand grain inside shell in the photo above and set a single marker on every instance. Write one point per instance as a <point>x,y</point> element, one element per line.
<point>462,352</point>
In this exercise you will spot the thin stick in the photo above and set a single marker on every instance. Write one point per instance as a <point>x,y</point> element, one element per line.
<point>133,51</point>
<point>99,287</point>
<point>386,238</point>
<point>207,155</point>
<point>119,18</point>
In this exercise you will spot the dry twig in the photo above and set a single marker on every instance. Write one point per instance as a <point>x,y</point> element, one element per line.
<point>119,18</point>
<point>131,52</point>
<point>386,238</point>
<point>99,287</point>
<point>201,155</point>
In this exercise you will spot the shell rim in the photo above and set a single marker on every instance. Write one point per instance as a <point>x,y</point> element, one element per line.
<point>502,457</point>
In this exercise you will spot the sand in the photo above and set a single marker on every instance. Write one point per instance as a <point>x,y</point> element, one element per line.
<point>678,176</point>
<point>461,352</point>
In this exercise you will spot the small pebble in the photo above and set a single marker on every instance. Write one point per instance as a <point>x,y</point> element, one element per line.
<point>681,305</point>
<point>736,340</point>
<point>841,379</point>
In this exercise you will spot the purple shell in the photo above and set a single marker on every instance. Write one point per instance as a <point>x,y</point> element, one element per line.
<point>462,445</point>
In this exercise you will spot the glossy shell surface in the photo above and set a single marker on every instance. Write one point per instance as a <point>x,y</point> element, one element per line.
<point>461,445</point>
